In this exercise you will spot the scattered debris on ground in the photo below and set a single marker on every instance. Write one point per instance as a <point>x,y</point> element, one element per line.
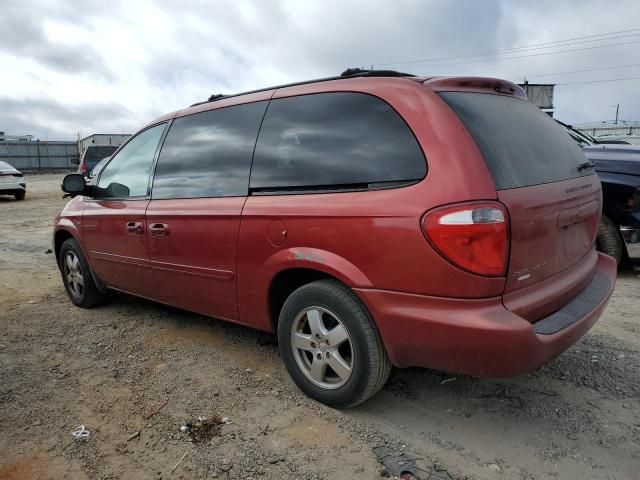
<point>404,465</point>
<point>80,432</point>
<point>203,429</point>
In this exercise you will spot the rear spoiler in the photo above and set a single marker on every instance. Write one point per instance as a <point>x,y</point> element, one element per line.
<point>475,84</point>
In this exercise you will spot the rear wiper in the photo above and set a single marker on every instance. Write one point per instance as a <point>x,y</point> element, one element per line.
<point>584,165</point>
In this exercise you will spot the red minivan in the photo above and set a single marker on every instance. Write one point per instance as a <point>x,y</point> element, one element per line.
<point>371,219</point>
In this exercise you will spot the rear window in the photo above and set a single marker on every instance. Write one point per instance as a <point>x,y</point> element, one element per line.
<point>97,153</point>
<point>334,140</point>
<point>521,145</point>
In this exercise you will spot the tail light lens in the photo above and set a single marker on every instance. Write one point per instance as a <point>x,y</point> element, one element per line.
<point>83,167</point>
<point>472,236</point>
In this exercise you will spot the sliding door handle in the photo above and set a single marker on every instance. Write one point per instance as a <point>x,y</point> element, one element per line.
<point>159,229</point>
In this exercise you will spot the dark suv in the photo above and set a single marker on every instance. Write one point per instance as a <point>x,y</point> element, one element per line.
<point>618,167</point>
<point>371,219</point>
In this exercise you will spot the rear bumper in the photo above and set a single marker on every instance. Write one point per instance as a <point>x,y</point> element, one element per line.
<point>481,337</point>
<point>12,188</point>
<point>631,237</point>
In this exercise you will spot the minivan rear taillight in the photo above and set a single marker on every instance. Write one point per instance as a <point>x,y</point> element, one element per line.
<point>472,236</point>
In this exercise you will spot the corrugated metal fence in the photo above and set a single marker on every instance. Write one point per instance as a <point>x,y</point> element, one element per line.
<point>40,155</point>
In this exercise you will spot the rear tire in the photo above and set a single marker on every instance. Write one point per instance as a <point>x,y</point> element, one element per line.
<point>77,276</point>
<point>20,196</point>
<point>331,346</point>
<point>609,240</point>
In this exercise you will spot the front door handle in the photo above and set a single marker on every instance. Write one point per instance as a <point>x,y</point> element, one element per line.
<point>159,229</point>
<point>135,228</point>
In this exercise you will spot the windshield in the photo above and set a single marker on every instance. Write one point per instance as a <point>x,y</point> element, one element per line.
<point>5,166</point>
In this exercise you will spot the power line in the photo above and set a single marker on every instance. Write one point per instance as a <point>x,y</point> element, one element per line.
<point>612,67</point>
<point>556,43</point>
<point>538,54</point>
<point>601,81</point>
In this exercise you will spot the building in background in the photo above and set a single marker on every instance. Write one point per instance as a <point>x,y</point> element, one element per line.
<point>15,138</point>
<point>540,94</point>
<point>115,139</point>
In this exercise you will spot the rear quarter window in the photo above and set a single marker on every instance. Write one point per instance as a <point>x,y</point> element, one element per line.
<point>521,145</point>
<point>333,140</point>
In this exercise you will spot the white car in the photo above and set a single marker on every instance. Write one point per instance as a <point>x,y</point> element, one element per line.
<point>620,139</point>
<point>12,182</point>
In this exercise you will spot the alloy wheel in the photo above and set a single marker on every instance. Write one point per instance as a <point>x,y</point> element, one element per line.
<point>73,274</point>
<point>322,347</point>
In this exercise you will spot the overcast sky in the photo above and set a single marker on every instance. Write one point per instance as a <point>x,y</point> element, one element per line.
<point>89,67</point>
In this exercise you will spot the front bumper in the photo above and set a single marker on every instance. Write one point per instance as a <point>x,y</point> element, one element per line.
<point>481,337</point>
<point>631,237</point>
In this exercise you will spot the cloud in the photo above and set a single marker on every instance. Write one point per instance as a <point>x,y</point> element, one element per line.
<point>55,120</point>
<point>146,58</point>
<point>23,35</point>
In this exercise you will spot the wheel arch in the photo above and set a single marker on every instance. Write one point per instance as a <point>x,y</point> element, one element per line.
<point>284,283</point>
<point>297,267</point>
<point>60,236</point>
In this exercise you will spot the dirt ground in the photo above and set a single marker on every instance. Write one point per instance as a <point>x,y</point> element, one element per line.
<point>112,368</point>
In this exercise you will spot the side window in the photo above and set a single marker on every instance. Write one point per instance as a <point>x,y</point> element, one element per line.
<point>333,139</point>
<point>208,154</point>
<point>127,174</point>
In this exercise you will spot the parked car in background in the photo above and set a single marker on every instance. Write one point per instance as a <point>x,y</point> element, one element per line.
<point>371,219</point>
<point>619,230</point>
<point>613,142</point>
<point>618,167</point>
<point>12,181</point>
<point>92,155</point>
<point>623,139</point>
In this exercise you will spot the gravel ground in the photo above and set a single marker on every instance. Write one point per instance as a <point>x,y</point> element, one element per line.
<point>135,366</point>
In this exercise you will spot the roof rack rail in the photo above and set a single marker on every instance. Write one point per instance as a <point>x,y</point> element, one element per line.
<point>348,73</point>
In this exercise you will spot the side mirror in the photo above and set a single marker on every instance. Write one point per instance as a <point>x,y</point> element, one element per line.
<point>74,184</point>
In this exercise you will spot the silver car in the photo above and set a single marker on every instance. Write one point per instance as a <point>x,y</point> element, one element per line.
<point>12,182</point>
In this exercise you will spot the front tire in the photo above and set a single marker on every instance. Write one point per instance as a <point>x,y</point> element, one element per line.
<point>20,196</point>
<point>77,277</point>
<point>609,240</point>
<point>331,346</point>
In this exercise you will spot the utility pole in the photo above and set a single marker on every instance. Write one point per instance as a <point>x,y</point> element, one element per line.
<point>617,111</point>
